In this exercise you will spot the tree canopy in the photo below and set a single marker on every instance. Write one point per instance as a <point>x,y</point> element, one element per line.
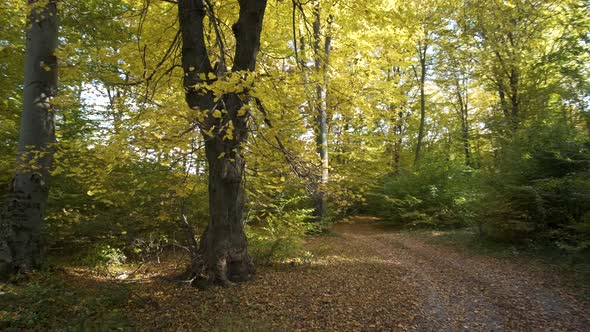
<point>247,125</point>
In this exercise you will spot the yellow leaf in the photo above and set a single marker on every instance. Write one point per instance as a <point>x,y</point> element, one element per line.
<point>216,114</point>
<point>221,155</point>
<point>243,111</point>
<point>209,132</point>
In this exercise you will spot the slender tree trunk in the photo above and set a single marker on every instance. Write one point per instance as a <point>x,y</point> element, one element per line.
<point>21,221</point>
<point>321,59</point>
<point>503,102</point>
<point>464,115</point>
<point>514,101</point>
<point>510,110</point>
<point>395,138</point>
<point>449,146</point>
<point>587,116</point>
<point>465,137</point>
<point>398,125</point>
<point>422,103</point>
<point>223,249</point>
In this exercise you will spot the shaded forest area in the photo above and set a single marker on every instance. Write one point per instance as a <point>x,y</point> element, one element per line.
<point>152,151</point>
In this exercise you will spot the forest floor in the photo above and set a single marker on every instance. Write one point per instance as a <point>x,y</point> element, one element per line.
<point>363,278</point>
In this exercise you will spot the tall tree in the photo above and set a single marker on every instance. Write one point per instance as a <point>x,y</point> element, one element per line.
<point>455,70</point>
<point>422,49</point>
<point>223,250</point>
<point>428,20</point>
<point>321,61</point>
<point>22,218</point>
<point>508,36</point>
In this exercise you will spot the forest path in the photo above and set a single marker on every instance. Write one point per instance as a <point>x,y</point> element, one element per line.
<point>366,278</point>
<point>458,290</point>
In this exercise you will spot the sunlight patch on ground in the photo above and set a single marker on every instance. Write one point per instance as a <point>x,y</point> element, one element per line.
<point>340,260</point>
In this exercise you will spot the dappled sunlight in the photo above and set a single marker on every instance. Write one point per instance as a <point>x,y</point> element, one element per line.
<point>304,165</point>
<point>328,261</point>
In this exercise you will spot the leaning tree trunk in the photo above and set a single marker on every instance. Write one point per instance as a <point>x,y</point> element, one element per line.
<point>223,249</point>
<point>21,221</point>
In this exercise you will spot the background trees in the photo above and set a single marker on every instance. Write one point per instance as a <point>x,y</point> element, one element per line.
<point>492,98</point>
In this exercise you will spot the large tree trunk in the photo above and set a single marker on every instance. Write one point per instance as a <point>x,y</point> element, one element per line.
<point>321,59</point>
<point>21,221</point>
<point>223,249</point>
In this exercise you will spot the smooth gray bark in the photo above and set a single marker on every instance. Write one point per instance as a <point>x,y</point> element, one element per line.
<point>397,122</point>
<point>22,218</point>
<point>398,130</point>
<point>223,248</point>
<point>421,130</point>
<point>321,60</point>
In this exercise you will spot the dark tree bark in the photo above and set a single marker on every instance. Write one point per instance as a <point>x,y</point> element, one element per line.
<point>21,221</point>
<point>223,249</point>
<point>509,72</point>
<point>514,100</point>
<point>510,109</point>
<point>463,110</point>
<point>502,95</point>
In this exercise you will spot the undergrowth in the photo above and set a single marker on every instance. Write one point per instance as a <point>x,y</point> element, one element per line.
<point>547,253</point>
<point>51,301</point>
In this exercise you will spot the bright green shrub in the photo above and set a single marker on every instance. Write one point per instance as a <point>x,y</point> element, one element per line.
<point>101,255</point>
<point>438,194</point>
<point>541,191</point>
<point>276,232</point>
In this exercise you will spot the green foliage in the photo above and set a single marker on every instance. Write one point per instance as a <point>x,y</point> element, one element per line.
<point>101,255</point>
<point>278,231</point>
<point>49,303</point>
<point>438,195</point>
<point>129,162</point>
<point>556,256</point>
<point>541,188</point>
<point>149,248</point>
<point>96,198</point>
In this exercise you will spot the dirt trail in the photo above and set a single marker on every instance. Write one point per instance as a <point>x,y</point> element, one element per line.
<point>367,279</point>
<point>459,291</point>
